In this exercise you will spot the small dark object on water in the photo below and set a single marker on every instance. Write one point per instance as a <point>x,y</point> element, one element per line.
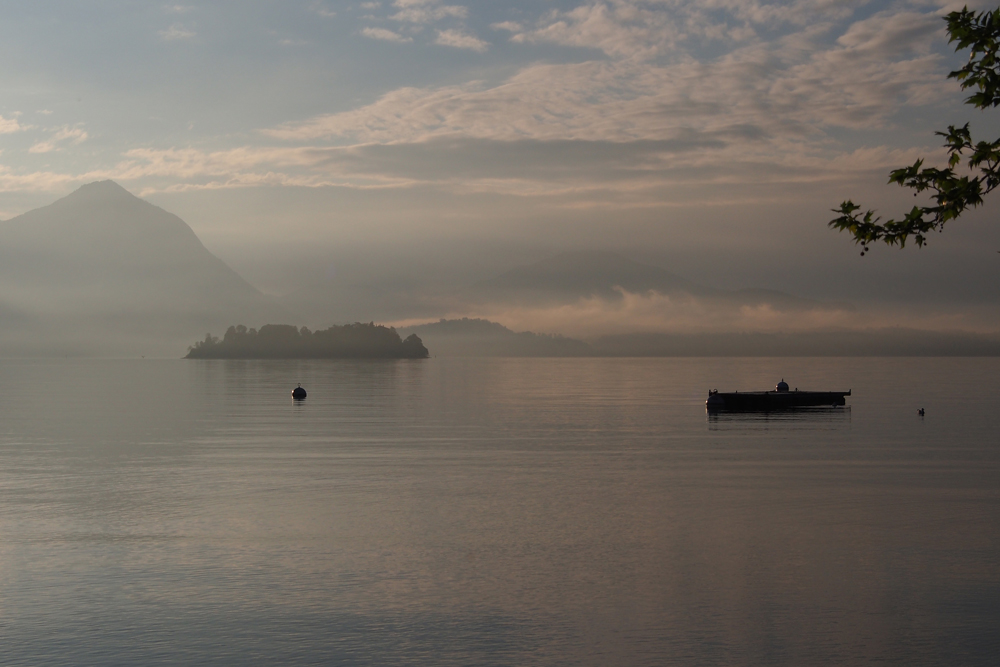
<point>779,399</point>
<point>920,412</point>
<point>298,393</point>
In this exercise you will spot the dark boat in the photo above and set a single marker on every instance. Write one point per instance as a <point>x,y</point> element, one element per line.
<point>779,399</point>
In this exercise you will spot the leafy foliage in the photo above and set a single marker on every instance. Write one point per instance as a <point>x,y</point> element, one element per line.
<point>951,193</point>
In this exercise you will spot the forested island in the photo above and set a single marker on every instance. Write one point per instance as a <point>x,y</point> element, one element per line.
<point>284,341</point>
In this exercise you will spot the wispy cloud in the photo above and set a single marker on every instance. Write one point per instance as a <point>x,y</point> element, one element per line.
<point>426,11</point>
<point>620,29</point>
<point>637,29</point>
<point>65,134</point>
<point>176,32</point>
<point>385,35</point>
<point>509,26</point>
<point>681,172</point>
<point>321,9</point>
<point>768,95</point>
<point>621,130</point>
<point>46,181</point>
<point>460,40</point>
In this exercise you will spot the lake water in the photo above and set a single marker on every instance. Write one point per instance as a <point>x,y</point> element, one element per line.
<point>497,512</point>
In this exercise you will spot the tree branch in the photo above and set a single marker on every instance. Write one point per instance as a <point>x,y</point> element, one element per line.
<point>951,194</point>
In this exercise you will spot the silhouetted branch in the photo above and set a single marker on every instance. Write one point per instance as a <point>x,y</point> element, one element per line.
<point>952,194</point>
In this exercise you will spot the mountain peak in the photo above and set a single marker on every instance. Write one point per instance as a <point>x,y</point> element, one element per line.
<point>101,190</point>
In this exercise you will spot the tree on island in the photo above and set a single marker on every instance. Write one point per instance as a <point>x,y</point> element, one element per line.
<point>284,341</point>
<point>950,192</point>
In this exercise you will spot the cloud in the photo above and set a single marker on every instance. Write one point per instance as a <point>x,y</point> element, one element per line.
<point>890,34</point>
<point>876,66</point>
<point>176,170</point>
<point>619,29</point>
<point>588,101</point>
<point>385,35</point>
<point>177,9</point>
<point>322,10</point>
<point>65,134</point>
<point>176,32</point>
<point>637,29</point>
<point>460,40</point>
<point>9,125</point>
<point>642,123</point>
<point>684,171</point>
<point>426,11</point>
<point>509,26</point>
<point>46,181</point>
<point>770,102</point>
<point>75,134</point>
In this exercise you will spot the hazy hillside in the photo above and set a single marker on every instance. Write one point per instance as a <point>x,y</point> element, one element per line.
<point>481,338</point>
<point>101,271</point>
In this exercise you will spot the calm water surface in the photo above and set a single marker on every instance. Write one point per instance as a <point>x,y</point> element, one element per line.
<point>497,512</point>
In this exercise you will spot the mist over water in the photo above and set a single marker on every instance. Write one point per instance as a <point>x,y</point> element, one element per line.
<point>496,511</point>
<point>103,273</point>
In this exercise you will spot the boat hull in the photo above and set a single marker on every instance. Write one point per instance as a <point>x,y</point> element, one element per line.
<point>774,400</point>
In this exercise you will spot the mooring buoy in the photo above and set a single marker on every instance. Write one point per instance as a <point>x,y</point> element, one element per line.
<point>298,393</point>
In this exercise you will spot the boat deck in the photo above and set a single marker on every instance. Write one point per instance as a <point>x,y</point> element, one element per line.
<point>774,400</point>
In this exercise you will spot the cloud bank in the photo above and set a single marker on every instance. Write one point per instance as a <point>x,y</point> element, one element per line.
<point>723,90</point>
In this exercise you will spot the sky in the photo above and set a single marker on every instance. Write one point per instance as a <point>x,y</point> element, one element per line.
<point>437,142</point>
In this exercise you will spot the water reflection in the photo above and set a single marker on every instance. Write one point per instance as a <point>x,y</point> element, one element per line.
<point>822,417</point>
